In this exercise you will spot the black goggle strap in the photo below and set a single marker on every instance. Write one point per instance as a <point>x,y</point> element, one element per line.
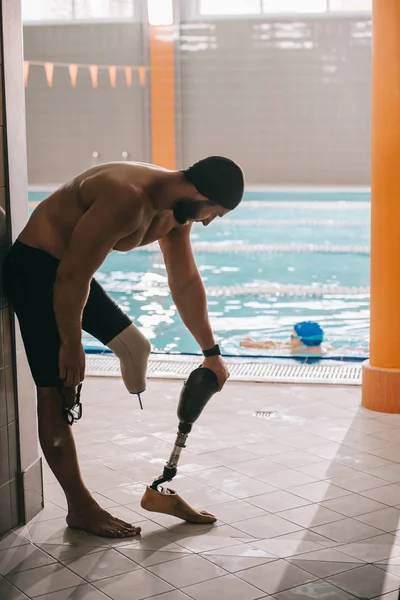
<point>75,412</point>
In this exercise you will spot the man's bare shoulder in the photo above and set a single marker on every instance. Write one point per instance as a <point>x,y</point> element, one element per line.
<point>123,173</point>
<point>117,187</point>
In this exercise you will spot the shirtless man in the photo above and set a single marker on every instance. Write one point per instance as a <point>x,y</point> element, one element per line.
<point>48,276</point>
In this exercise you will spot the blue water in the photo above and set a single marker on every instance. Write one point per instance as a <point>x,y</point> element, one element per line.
<point>299,223</point>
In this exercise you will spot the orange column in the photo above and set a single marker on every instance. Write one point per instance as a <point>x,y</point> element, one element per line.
<point>381,375</point>
<point>162,94</point>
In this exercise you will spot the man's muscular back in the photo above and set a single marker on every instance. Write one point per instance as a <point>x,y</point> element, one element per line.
<point>129,185</point>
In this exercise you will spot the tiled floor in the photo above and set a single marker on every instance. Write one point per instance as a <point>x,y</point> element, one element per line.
<point>308,501</point>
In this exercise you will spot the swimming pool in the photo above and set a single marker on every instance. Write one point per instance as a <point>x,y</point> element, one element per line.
<point>281,257</point>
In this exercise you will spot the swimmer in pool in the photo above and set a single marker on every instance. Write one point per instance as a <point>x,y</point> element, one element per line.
<point>306,338</point>
<point>48,278</point>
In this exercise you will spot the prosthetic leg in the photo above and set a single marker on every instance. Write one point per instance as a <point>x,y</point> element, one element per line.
<point>201,385</point>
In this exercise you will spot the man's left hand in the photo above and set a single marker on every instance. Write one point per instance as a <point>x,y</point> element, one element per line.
<point>216,364</point>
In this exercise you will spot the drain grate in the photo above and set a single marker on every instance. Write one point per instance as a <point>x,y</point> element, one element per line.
<point>179,367</point>
<point>265,414</point>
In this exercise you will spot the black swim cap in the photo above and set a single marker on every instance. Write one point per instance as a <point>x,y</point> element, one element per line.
<point>219,179</point>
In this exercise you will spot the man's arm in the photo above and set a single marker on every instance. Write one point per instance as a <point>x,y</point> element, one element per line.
<point>189,295</point>
<point>99,229</point>
<point>186,286</point>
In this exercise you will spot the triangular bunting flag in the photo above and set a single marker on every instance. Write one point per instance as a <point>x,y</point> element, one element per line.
<point>142,76</point>
<point>26,72</point>
<point>113,76</point>
<point>73,73</point>
<point>49,70</point>
<point>94,70</point>
<point>128,76</point>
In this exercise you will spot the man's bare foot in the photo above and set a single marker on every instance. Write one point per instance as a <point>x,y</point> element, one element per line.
<point>171,503</point>
<point>97,521</point>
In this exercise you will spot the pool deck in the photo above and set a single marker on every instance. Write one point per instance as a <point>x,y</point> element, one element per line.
<point>303,480</point>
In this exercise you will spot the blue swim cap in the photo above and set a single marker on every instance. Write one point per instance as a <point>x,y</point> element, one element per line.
<point>310,333</point>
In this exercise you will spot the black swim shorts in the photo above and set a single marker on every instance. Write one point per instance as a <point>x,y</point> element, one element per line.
<point>28,276</point>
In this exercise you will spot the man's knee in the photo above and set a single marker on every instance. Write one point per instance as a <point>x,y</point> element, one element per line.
<point>133,350</point>
<point>51,424</point>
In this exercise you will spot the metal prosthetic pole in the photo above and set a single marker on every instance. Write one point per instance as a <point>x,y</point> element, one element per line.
<point>195,394</point>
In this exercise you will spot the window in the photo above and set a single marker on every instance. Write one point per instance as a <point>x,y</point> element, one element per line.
<point>160,12</point>
<point>47,10</point>
<point>350,5</point>
<point>294,6</point>
<point>230,7</point>
<point>259,7</point>
<point>61,10</point>
<point>103,9</point>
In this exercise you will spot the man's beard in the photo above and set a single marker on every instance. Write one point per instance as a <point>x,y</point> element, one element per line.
<point>186,209</point>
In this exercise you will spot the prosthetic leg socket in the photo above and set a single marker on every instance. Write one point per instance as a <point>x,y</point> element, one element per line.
<point>133,351</point>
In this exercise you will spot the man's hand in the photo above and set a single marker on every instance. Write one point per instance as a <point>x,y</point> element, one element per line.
<point>72,364</point>
<point>216,364</point>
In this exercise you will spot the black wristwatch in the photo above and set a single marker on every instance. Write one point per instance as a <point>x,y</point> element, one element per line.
<point>215,351</point>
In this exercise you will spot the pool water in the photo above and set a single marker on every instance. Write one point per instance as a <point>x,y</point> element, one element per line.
<point>279,258</point>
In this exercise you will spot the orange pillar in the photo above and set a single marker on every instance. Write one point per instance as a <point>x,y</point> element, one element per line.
<point>162,95</point>
<point>381,375</point>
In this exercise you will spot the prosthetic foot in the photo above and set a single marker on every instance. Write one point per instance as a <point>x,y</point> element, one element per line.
<point>171,503</point>
<point>196,392</point>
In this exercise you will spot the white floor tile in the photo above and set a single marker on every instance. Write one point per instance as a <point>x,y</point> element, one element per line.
<point>9,592</point>
<point>21,558</point>
<point>295,458</point>
<point>319,491</point>
<point>135,585</point>
<point>375,549</point>
<point>326,469</point>
<point>44,580</point>
<point>12,540</point>
<point>347,530</point>
<point>277,501</point>
<point>387,519</point>
<point>367,582</point>
<point>285,547</point>
<point>245,488</point>
<point>50,511</point>
<point>322,569</point>
<point>186,571</point>
<point>232,564</point>
<point>266,526</point>
<point>256,467</point>
<point>236,510</point>
<point>286,479</point>
<point>82,592</point>
<point>316,590</point>
<point>202,543</point>
<point>358,482</point>
<point>65,552</point>
<point>352,505</point>
<point>101,564</point>
<point>148,558</point>
<point>390,473</point>
<point>276,576</point>
<point>310,516</point>
<point>229,587</point>
<point>389,494</point>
